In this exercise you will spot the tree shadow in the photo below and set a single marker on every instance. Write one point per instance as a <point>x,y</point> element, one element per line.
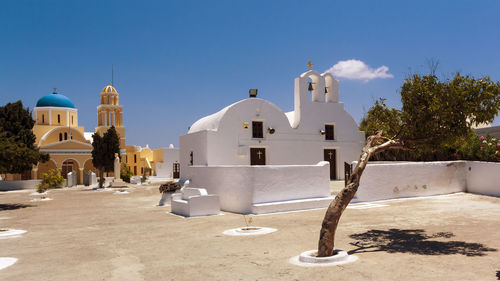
<point>414,241</point>
<point>14,206</point>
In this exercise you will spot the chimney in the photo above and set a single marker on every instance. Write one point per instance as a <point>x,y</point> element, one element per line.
<point>252,93</point>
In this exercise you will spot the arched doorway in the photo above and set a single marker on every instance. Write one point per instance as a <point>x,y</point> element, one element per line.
<point>70,165</point>
<point>45,167</point>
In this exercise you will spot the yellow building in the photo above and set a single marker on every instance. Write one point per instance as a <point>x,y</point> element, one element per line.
<point>70,148</point>
<point>58,134</point>
<point>142,159</point>
<point>110,113</point>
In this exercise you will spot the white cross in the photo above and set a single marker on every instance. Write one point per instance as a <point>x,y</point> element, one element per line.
<point>330,153</point>
<point>259,153</point>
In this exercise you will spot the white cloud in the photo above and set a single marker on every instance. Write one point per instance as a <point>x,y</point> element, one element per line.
<point>358,70</point>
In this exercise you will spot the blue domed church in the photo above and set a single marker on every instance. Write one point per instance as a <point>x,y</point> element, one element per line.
<point>57,133</point>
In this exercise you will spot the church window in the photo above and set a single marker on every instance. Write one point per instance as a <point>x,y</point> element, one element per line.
<point>126,158</point>
<point>191,159</point>
<point>58,118</point>
<point>135,170</point>
<point>43,119</point>
<point>142,171</point>
<point>65,136</point>
<point>257,130</point>
<point>71,119</point>
<point>329,132</point>
<point>135,158</point>
<point>60,136</point>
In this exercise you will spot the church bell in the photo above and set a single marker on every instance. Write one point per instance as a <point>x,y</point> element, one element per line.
<point>310,87</point>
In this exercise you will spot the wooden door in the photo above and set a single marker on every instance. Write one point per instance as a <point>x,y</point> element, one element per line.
<point>257,156</point>
<point>330,155</point>
<point>67,167</point>
<point>177,170</point>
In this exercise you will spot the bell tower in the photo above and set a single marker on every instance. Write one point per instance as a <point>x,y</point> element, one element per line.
<point>110,113</point>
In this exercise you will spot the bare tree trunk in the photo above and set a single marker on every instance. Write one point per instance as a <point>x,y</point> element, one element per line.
<point>326,243</point>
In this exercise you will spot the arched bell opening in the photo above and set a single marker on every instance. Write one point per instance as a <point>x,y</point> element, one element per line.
<point>315,87</point>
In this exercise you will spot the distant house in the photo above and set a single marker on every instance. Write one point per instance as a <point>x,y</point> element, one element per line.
<point>493,131</point>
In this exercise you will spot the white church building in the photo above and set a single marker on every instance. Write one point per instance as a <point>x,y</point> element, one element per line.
<point>255,135</point>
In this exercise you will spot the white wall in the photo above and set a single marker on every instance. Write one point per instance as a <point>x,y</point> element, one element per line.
<point>483,178</point>
<point>411,179</point>
<point>196,142</point>
<point>239,187</point>
<point>20,184</point>
<point>165,168</point>
<point>230,144</point>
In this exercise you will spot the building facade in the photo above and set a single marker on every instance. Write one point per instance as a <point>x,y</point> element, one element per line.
<point>110,113</point>
<point>58,134</point>
<point>256,132</point>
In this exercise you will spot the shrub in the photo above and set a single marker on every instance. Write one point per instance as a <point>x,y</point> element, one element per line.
<point>481,148</point>
<point>169,187</point>
<point>145,174</point>
<point>51,179</point>
<point>125,173</point>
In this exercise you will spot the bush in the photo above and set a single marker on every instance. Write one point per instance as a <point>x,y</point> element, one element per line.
<point>169,187</point>
<point>51,179</point>
<point>125,173</point>
<point>480,148</point>
<point>145,174</point>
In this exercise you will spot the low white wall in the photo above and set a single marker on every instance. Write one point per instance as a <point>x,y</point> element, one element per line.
<point>410,179</point>
<point>239,187</point>
<point>16,185</point>
<point>483,178</point>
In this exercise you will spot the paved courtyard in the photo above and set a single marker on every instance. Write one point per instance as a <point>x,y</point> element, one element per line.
<point>99,235</point>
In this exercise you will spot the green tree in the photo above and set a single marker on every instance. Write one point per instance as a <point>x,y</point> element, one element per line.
<point>103,152</point>
<point>434,113</point>
<point>17,142</point>
<point>125,173</point>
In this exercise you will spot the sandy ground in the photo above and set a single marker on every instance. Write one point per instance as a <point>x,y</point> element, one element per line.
<point>99,235</point>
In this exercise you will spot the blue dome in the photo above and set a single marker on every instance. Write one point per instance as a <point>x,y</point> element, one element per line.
<point>55,100</point>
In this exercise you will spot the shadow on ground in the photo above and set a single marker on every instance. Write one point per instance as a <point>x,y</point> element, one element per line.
<point>414,241</point>
<point>14,206</point>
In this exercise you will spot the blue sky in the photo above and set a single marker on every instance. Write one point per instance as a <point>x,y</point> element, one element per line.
<point>177,61</point>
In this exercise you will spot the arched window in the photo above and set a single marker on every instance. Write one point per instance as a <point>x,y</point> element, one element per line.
<point>60,136</point>
<point>58,118</point>
<point>65,136</point>
<point>43,118</point>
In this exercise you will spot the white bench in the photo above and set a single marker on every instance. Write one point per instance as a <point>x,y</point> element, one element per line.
<point>192,202</point>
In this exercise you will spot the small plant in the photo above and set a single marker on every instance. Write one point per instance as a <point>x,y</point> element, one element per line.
<point>144,175</point>
<point>1,230</point>
<point>169,187</point>
<point>51,179</point>
<point>125,173</point>
<point>121,190</point>
<point>248,223</point>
